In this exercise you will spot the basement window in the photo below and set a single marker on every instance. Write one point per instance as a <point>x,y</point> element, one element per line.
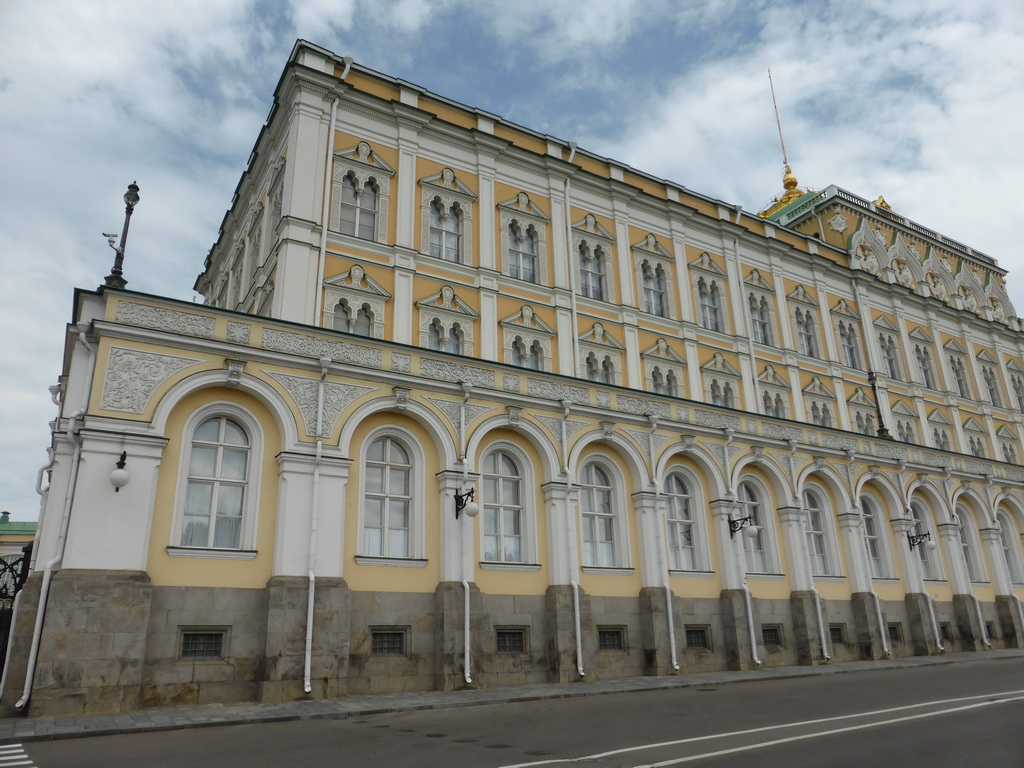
<point>698,638</point>
<point>837,634</point>
<point>946,632</point>
<point>611,638</point>
<point>388,642</point>
<point>510,639</point>
<point>771,636</point>
<point>202,644</point>
<point>895,633</point>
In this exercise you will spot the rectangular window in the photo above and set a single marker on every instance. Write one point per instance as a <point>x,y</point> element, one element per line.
<point>196,644</point>
<point>946,631</point>
<point>611,638</point>
<point>895,633</point>
<point>837,634</point>
<point>510,639</point>
<point>698,638</point>
<point>990,630</point>
<point>388,642</point>
<point>771,636</point>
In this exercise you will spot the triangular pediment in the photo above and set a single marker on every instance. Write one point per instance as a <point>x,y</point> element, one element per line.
<point>705,263</point>
<point>859,397</point>
<point>885,323</point>
<point>356,279</point>
<point>842,308</point>
<point>445,300</point>
<point>526,319</point>
<point>662,351</point>
<point>651,245</point>
<point>919,335</point>
<point>448,182</point>
<point>972,425</point>
<point>719,364</point>
<point>938,417</point>
<point>756,280</point>
<point>1014,365</point>
<point>591,226</point>
<point>902,409</point>
<point>363,155</point>
<point>801,295</point>
<point>598,335</point>
<point>522,203</point>
<point>770,377</point>
<point>1005,433</point>
<point>953,346</point>
<point>818,389</point>
<point>986,357</point>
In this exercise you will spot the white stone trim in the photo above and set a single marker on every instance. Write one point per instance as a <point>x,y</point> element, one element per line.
<point>364,164</point>
<point>521,209</point>
<point>447,188</point>
<point>358,288</point>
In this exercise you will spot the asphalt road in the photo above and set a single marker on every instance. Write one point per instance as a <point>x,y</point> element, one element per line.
<point>966,714</point>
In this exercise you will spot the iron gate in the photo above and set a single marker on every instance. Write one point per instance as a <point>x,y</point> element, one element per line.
<point>13,572</point>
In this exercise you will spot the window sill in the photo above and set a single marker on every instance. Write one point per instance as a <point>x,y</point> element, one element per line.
<point>393,562</point>
<point>209,552</point>
<point>491,565</point>
<point>607,571</point>
<point>692,574</point>
<point>829,577</point>
<point>767,576</point>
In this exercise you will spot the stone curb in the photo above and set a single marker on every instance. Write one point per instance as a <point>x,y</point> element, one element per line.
<point>24,730</point>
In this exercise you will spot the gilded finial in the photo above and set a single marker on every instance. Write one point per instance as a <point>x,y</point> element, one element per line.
<point>881,203</point>
<point>791,190</point>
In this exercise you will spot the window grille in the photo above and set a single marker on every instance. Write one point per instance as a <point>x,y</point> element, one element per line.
<point>771,637</point>
<point>895,633</point>
<point>697,638</point>
<point>837,634</point>
<point>511,640</point>
<point>611,638</point>
<point>387,642</point>
<point>202,645</point>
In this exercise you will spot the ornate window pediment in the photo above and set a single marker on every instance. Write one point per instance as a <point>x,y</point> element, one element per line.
<point>597,335</point>
<point>902,409</point>
<point>524,253</point>
<point>817,389</point>
<point>842,308</point>
<point>938,417</point>
<point>663,369</point>
<point>589,225</point>
<point>801,295</point>
<point>918,334</point>
<point>972,425</point>
<point>720,365</point>
<point>1005,433</point>
<point>360,196</point>
<point>1013,365</point>
<point>600,356</point>
<point>986,357</point>
<point>446,316</point>
<point>704,262</point>
<point>360,297</point>
<point>860,398</point>
<point>771,378</point>
<point>886,324</point>
<point>446,219</point>
<point>527,339</point>
<point>755,280</point>
<point>954,346</point>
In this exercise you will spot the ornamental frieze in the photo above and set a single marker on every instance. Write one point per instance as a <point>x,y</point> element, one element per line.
<point>313,346</point>
<point>304,391</point>
<point>161,319</point>
<point>132,376</point>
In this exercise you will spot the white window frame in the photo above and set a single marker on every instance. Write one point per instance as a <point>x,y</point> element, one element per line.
<point>607,352</point>
<point>967,534</point>
<point>1009,541</point>
<point>620,529</point>
<point>251,499</point>
<point>522,210</point>
<point>449,192</point>
<point>929,561</point>
<point>874,531</point>
<point>663,358</point>
<point>357,289</point>
<point>649,252</point>
<point>525,325</point>
<point>698,534</point>
<point>825,535</point>
<point>363,164</point>
<point>450,312</point>
<point>763,521</point>
<point>527,511</point>
<point>417,491</point>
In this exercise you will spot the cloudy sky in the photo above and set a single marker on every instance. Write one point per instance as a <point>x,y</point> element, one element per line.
<point>920,101</point>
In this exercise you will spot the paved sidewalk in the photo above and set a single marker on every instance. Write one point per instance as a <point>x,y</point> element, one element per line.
<point>20,729</point>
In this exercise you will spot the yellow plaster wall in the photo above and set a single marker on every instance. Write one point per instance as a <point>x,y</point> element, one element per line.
<point>165,570</point>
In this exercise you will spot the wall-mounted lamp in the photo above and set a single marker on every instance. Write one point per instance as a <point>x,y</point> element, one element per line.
<point>119,477</point>
<point>920,538</point>
<point>464,503</point>
<point>745,524</point>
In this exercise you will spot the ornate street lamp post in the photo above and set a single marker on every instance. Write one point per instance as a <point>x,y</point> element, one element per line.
<point>881,431</point>
<point>115,279</point>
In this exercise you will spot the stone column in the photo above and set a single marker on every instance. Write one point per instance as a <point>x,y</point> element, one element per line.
<point>866,626</point>
<point>739,644</point>
<point>654,614</point>
<point>1008,609</point>
<point>563,555</point>
<point>921,628</point>
<point>972,631</point>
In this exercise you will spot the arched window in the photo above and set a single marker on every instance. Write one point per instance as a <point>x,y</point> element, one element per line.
<point>454,339</point>
<point>924,364</point>
<point>522,252</point>
<point>591,272</point>
<point>968,544</point>
<point>363,326</point>
<point>388,499</point>
<point>358,208</point>
<point>681,544</point>
<point>218,478</point>
<point>963,386</point>
<point>671,385</point>
<point>1018,390</point>
<point>848,338</point>
<point>929,567</point>
<point>502,509</point>
<point>818,544</point>
<point>760,319</point>
<point>992,385</point>
<point>445,231</point>
<point>873,542</point>
<point>717,398</point>
<point>658,381</point>
<point>805,333</point>
<point>593,369</point>
<point>601,545</point>
<point>710,310</point>
<point>754,546</point>
<point>653,288</point>
<point>1011,548</point>
<point>889,355</point>
<point>728,396</point>
<point>607,375</point>
<point>341,316</point>
<point>436,336</point>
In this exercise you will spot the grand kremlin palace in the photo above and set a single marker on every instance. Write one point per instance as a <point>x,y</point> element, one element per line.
<point>467,406</point>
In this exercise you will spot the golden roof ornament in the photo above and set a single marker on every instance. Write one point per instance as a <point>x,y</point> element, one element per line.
<point>880,203</point>
<point>791,191</point>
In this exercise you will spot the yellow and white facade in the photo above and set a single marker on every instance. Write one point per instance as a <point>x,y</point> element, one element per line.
<point>660,402</point>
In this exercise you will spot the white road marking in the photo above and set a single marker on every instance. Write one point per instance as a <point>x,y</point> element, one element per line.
<point>762,729</point>
<point>705,755</point>
<point>12,755</point>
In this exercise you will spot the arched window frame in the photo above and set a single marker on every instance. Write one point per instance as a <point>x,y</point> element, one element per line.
<point>593,264</point>
<point>251,496</point>
<point>820,533</point>
<point>519,216</point>
<point>1010,542</point>
<point>697,559</point>
<point>760,317</point>
<point>364,167</point>
<point>710,298</point>
<point>875,540</point>
<point>414,554</point>
<point>446,227</point>
<point>890,356</point>
<point>969,545</point>
<point>589,519</point>
<point>527,510</point>
<point>931,564</point>
<point>760,552</point>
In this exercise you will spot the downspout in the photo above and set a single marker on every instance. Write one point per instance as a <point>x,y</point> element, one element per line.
<point>76,460</point>
<point>326,211</point>
<point>307,683</point>
<point>572,271</point>
<point>981,621</point>
<point>1020,610</point>
<point>741,559</point>
<point>43,492</point>
<point>666,575</point>
<point>566,406</point>
<point>817,598</point>
<point>467,636</point>
<point>935,624</point>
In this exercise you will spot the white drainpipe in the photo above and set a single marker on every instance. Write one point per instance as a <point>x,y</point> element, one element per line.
<point>882,628</point>
<point>569,534</point>
<point>467,635</point>
<point>76,459</point>
<point>817,598</point>
<point>981,621</point>
<point>662,553</point>
<point>741,558</point>
<point>326,211</point>
<point>571,257</point>
<point>935,624</point>
<point>307,682</point>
